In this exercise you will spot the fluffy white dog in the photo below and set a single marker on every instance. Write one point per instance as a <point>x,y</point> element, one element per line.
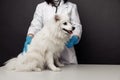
<point>45,48</point>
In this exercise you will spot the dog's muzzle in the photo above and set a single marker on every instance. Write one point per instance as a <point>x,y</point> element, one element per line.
<point>69,31</point>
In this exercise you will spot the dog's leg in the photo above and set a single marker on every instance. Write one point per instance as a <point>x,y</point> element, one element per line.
<point>50,62</point>
<point>57,62</point>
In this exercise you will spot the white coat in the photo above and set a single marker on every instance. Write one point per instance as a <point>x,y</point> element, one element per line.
<point>45,11</point>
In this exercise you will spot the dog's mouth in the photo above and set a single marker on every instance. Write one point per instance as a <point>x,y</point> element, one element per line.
<point>68,31</point>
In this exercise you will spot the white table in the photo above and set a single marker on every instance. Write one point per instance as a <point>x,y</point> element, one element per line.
<point>71,72</point>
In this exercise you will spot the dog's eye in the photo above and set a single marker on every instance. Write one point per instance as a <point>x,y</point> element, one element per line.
<point>65,23</point>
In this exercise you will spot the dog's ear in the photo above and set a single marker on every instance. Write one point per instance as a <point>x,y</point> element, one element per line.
<point>57,18</point>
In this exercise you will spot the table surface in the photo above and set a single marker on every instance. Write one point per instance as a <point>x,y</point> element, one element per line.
<point>69,72</point>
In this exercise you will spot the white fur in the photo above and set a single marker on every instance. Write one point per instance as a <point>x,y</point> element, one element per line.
<point>45,47</point>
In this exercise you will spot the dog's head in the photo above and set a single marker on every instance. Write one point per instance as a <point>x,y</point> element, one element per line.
<point>64,23</point>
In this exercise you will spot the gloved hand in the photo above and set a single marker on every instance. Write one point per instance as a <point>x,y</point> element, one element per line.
<point>27,42</point>
<point>73,40</point>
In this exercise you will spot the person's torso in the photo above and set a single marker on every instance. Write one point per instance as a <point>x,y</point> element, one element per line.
<point>49,11</point>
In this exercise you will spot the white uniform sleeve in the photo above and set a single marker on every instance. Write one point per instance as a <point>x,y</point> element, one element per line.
<point>76,21</point>
<point>37,22</point>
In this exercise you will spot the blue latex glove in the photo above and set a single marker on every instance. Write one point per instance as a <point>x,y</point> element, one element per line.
<point>27,42</point>
<point>73,41</point>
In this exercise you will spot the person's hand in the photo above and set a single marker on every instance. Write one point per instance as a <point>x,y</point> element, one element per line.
<point>27,42</point>
<point>72,41</point>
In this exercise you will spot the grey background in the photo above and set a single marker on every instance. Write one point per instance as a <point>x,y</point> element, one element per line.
<point>100,42</point>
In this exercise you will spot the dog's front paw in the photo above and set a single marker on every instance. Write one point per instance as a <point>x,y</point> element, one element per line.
<point>60,65</point>
<point>56,69</point>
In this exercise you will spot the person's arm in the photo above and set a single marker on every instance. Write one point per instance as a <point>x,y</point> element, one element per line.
<point>37,22</point>
<point>75,20</point>
<point>35,26</point>
<point>75,38</point>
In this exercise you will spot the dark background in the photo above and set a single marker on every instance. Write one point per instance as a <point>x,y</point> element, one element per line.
<point>100,42</point>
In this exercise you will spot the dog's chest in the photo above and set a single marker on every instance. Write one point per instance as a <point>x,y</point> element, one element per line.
<point>57,47</point>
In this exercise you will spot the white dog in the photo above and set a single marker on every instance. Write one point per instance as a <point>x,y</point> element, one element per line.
<point>45,47</point>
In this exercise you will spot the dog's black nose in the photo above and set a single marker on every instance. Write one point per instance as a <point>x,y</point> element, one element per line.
<point>73,28</point>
